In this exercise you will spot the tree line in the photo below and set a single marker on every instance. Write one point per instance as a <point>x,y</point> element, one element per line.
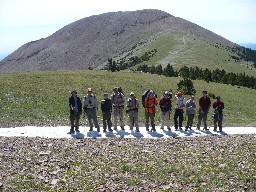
<point>196,73</point>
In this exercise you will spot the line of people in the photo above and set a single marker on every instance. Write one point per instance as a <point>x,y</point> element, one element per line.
<point>116,103</point>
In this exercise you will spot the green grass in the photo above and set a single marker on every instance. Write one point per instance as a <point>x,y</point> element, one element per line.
<point>41,98</point>
<point>196,52</point>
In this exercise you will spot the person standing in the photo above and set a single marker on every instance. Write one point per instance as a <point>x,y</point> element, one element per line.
<point>150,110</point>
<point>90,109</point>
<point>180,104</point>
<point>133,107</point>
<point>106,108</point>
<point>75,106</point>
<point>117,99</point>
<point>190,110</point>
<point>165,106</point>
<point>218,107</point>
<point>204,106</point>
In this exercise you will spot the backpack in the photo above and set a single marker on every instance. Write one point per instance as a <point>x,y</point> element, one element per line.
<point>144,95</point>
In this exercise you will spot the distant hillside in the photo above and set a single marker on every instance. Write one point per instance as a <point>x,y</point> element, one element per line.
<point>89,42</point>
<point>249,45</point>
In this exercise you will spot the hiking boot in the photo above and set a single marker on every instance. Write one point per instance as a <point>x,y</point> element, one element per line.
<point>90,129</point>
<point>115,128</point>
<point>71,131</point>
<point>206,129</point>
<point>131,128</point>
<point>180,128</point>
<point>98,129</point>
<point>109,129</point>
<point>77,130</point>
<point>162,128</point>
<point>104,130</point>
<point>147,129</point>
<point>169,129</point>
<point>122,127</point>
<point>186,129</point>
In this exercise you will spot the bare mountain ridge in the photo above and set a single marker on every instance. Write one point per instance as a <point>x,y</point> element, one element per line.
<point>89,42</point>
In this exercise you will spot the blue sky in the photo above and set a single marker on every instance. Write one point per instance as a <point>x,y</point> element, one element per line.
<point>22,21</point>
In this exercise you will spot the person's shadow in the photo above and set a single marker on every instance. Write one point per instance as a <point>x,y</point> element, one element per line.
<point>155,134</point>
<point>137,134</point>
<point>170,133</point>
<point>78,135</point>
<point>93,134</point>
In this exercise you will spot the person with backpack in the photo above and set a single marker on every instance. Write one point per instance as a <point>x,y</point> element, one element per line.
<point>190,110</point>
<point>180,104</point>
<point>150,110</point>
<point>165,106</point>
<point>106,108</point>
<point>90,109</point>
<point>133,111</point>
<point>117,99</point>
<point>218,107</point>
<point>75,106</point>
<point>204,106</point>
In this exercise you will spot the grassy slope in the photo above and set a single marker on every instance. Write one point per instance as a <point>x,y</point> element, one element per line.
<point>185,49</point>
<point>40,98</point>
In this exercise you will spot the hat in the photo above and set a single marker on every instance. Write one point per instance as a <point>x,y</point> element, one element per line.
<point>179,94</point>
<point>218,97</point>
<point>89,89</point>
<point>166,93</point>
<point>132,93</point>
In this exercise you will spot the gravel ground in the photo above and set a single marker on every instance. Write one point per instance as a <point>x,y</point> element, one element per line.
<point>210,163</point>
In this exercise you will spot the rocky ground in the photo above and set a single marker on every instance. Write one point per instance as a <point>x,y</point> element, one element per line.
<point>209,163</point>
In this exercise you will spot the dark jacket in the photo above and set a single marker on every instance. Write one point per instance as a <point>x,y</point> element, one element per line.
<point>165,104</point>
<point>106,105</point>
<point>218,105</point>
<point>72,104</point>
<point>204,103</point>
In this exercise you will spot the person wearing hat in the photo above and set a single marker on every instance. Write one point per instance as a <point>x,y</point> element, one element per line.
<point>218,107</point>
<point>150,109</point>
<point>204,106</point>
<point>165,104</point>
<point>190,111</point>
<point>106,108</point>
<point>117,99</point>
<point>75,106</point>
<point>178,115</point>
<point>90,107</point>
<point>132,109</point>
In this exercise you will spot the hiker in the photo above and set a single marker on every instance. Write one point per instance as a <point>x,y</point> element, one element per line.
<point>117,99</point>
<point>218,106</point>
<point>90,109</point>
<point>165,106</point>
<point>75,106</point>
<point>150,110</point>
<point>190,111</point>
<point>106,108</point>
<point>178,115</point>
<point>132,109</point>
<point>204,106</point>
